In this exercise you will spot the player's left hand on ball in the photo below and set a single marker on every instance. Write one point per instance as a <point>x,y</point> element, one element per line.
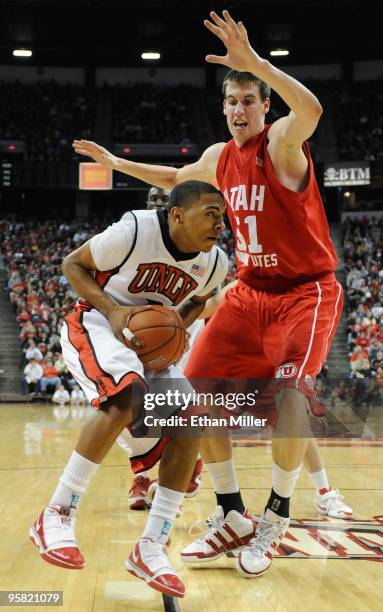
<point>240,55</point>
<point>118,318</point>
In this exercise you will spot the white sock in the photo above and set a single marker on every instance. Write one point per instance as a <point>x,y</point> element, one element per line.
<point>144,474</point>
<point>223,476</point>
<point>284,481</point>
<point>165,506</point>
<point>73,481</point>
<point>320,479</point>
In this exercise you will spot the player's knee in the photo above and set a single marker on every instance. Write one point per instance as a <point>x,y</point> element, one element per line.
<point>292,412</point>
<point>182,447</point>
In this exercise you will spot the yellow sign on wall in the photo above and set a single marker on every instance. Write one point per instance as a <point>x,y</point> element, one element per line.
<point>95,176</point>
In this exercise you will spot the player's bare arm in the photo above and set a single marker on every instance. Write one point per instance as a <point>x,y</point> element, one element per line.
<point>211,305</point>
<point>78,267</point>
<point>287,134</point>
<point>165,177</point>
<point>191,310</point>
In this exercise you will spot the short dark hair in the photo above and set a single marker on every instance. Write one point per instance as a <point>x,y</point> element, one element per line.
<point>246,77</point>
<point>184,194</point>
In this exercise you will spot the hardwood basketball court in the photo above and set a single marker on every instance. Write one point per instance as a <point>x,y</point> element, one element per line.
<point>326,564</point>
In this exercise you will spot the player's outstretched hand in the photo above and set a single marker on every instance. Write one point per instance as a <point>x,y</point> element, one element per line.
<point>240,55</point>
<point>96,152</point>
<point>118,317</point>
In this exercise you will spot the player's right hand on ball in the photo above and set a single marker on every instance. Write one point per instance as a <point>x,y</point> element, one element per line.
<point>98,153</point>
<point>118,318</point>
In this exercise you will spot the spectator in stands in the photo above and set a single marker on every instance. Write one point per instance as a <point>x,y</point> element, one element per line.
<point>61,396</point>
<point>60,364</point>
<point>377,361</point>
<point>50,377</point>
<point>32,352</point>
<point>324,371</point>
<point>360,367</point>
<point>54,342</point>
<point>32,376</point>
<point>77,397</point>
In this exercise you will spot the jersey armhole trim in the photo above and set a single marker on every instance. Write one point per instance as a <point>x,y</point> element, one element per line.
<point>134,241</point>
<point>104,277</point>
<point>213,270</point>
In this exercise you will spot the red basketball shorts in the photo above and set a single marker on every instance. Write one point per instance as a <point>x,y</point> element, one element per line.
<point>260,335</point>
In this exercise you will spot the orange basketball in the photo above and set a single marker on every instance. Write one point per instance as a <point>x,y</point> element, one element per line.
<point>161,334</point>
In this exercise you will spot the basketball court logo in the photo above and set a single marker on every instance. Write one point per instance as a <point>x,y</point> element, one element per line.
<point>287,370</point>
<point>324,539</point>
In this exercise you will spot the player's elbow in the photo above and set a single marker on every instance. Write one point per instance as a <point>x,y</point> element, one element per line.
<point>319,108</point>
<point>64,264</point>
<point>67,264</point>
<point>316,110</point>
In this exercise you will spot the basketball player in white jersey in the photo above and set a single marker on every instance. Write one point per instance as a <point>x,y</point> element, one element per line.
<point>170,258</point>
<point>139,449</point>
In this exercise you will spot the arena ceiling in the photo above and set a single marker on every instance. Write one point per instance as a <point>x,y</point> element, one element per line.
<point>114,32</point>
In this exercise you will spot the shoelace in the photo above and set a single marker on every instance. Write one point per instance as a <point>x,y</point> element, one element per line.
<point>212,522</point>
<point>265,534</point>
<point>336,497</point>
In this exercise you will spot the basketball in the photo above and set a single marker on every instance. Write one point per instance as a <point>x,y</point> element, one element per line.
<point>161,334</point>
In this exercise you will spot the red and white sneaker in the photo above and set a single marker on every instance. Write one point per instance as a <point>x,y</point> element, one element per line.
<point>330,503</point>
<point>138,493</point>
<point>224,535</point>
<point>53,533</point>
<point>196,480</point>
<point>149,561</point>
<point>256,558</point>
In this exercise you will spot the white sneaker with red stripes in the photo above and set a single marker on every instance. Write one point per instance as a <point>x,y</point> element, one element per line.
<point>225,534</point>
<point>149,561</point>
<point>330,503</point>
<point>53,534</point>
<point>255,560</point>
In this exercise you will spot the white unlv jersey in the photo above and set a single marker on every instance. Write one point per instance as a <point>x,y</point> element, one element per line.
<point>138,264</point>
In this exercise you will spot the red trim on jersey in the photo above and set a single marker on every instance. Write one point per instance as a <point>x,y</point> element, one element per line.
<point>83,306</point>
<point>102,277</point>
<point>105,383</point>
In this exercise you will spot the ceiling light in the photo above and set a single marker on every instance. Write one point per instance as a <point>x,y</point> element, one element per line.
<point>150,55</point>
<point>22,52</point>
<point>279,52</point>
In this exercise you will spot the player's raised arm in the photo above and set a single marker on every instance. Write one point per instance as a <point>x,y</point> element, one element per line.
<point>305,107</point>
<point>161,176</point>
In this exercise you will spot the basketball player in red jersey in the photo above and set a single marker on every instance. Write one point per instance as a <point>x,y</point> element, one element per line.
<point>280,318</point>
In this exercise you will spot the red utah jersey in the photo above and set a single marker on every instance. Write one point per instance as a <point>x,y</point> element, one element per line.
<point>282,236</point>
